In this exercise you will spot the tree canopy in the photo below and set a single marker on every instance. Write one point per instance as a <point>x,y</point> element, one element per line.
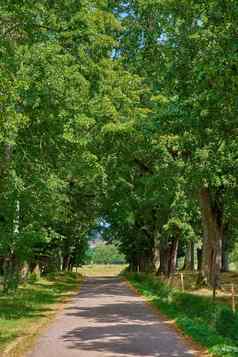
<point>124,111</point>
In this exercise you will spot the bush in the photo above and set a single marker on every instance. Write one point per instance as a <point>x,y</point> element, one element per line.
<point>11,284</point>
<point>107,254</point>
<point>227,324</point>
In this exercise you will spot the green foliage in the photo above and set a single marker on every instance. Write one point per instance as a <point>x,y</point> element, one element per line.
<point>107,254</point>
<point>227,324</point>
<point>123,111</point>
<point>57,72</point>
<point>182,137</point>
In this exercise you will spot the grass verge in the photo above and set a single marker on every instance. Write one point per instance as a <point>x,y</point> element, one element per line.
<point>23,313</point>
<point>214,326</point>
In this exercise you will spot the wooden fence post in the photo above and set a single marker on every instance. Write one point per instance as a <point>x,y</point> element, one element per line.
<point>233,298</point>
<point>182,282</point>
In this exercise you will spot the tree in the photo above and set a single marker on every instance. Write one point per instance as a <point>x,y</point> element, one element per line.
<point>53,66</point>
<point>180,51</point>
<point>107,254</point>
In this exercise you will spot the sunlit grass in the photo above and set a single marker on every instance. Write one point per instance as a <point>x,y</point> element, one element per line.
<point>33,305</point>
<point>102,270</point>
<point>223,295</point>
<point>214,326</point>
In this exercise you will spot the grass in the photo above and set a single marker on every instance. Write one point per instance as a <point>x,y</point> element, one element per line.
<point>32,306</point>
<point>190,278</point>
<point>102,270</point>
<point>213,326</point>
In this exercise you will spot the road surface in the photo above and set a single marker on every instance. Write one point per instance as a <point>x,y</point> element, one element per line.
<point>107,319</point>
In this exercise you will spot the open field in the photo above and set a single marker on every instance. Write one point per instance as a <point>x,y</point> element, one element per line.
<point>102,270</point>
<point>23,313</point>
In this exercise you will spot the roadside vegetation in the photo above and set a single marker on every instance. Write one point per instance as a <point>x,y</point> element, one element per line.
<point>212,325</point>
<point>105,254</point>
<point>35,303</point>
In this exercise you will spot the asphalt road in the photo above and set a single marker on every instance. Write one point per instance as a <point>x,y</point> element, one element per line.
<point>107,319</point>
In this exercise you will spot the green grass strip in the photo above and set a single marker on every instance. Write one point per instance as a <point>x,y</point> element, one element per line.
<point>213,326</point>
<point>32,304</point>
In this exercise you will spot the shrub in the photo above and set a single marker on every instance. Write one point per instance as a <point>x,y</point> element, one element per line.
<point>107,254</point>
<point>227,324</point>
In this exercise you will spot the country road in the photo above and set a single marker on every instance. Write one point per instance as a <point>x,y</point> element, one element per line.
<point>106,319</point>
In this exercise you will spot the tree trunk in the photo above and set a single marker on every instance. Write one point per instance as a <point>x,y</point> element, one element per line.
<point>212,239</point>
<point>133,264</point>
<point>59,260</point>
<point>164,259</point>
<point>173,253</point>
<point>66,262</point>
<point>11,273</point>
<point>199,259</point>
<point>157,252</point>
<point>10,265</point>
<point>146,262</point>
<point>24,271</point>
<point>189,257</point>
<point>35,269</point>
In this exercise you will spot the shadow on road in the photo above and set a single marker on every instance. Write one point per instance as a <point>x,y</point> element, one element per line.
<point>113,321</point>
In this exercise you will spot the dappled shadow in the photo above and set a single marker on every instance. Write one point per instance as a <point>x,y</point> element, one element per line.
<point>9,312</point>
<point>6,338</point>
<point>25,306</point>
<point>34,301</point>
<point>110,319</point>
<point>111,312</point>
<point>107,319</point>
<point>128,340</point>
<point>104,287</point>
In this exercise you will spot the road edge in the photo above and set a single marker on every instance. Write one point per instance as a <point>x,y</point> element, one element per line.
<point>21,345</point>
<point>200,351</point>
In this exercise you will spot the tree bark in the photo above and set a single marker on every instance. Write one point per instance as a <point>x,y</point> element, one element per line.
<point>157,252</point>
<point>199,259</point>
<point>146,262</point>
<point>35,269</point>
<point>212,239</point>
<point>164,259</point>
<point>133,264</point>
<point>66,262</point>
<point>11,273</point>
<point>173,253</point>
<point>189,257</point>
<point>24,271</point>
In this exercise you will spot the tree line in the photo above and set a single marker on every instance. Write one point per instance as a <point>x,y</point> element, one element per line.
<point>124,111</point>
